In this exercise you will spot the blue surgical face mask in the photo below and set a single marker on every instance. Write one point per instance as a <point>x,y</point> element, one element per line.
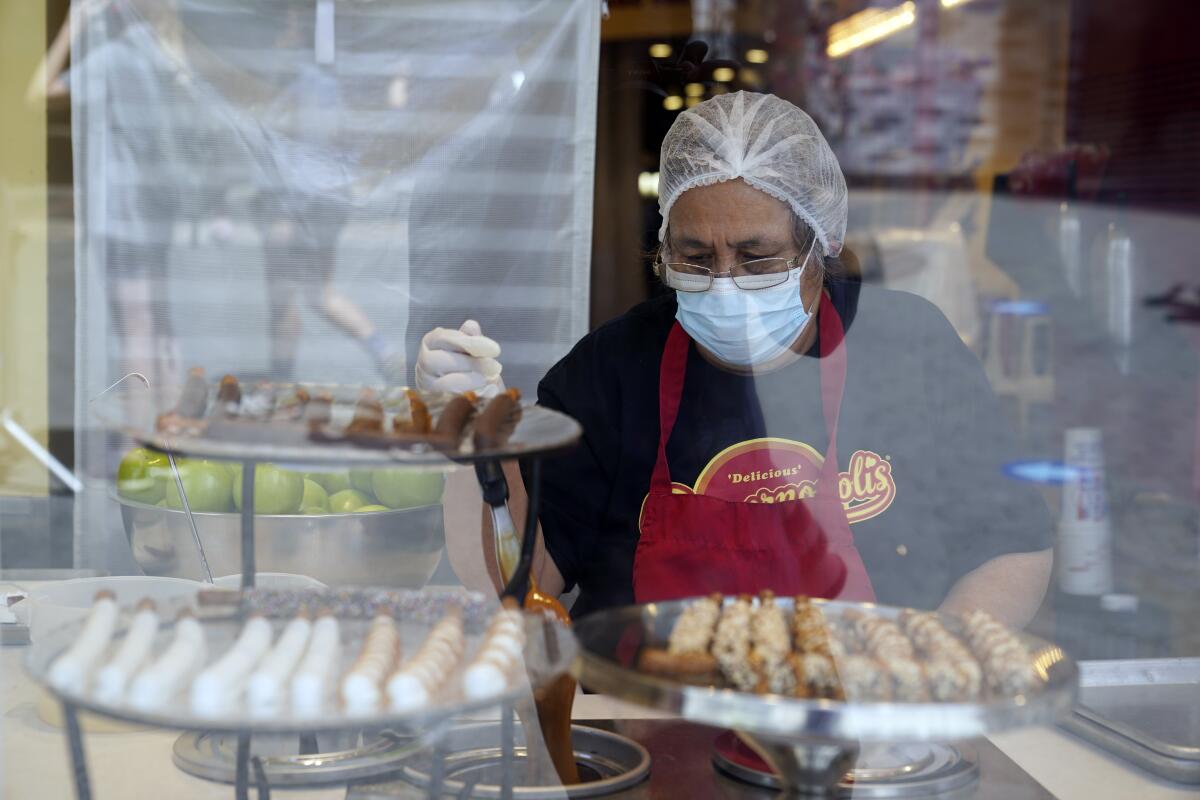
<point>745,327</point>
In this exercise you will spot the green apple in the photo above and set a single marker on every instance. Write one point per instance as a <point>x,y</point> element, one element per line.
<point>140,475</point>
<point>331,482</point>
<point>404,487</point>
<point>347,500</point>
<point>314,495</point>
<point>313,511</point>
<point>206,484</point>
<point>235,474</point>
<point>276,491</point>
<point>361,479</point>
<point>372,507</point>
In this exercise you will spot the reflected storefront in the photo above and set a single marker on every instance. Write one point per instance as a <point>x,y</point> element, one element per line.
<point>335,330</point>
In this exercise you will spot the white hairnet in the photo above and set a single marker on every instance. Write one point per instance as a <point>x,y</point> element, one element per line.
<point>768,143</point>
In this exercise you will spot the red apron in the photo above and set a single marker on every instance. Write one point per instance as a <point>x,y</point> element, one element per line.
<point>694,544</point>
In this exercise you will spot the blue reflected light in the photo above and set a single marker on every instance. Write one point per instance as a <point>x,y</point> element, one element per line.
<point>1047,472</point>
<point>1019,308</point>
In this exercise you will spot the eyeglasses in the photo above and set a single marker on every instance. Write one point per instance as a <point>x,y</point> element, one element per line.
<point>749,276</point>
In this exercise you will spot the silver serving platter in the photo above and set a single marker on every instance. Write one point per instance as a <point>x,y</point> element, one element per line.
<point>539,431</point>
<point>549,651</point>
<point>397,548</point>
<point>611,640</point>
<point>1144,710</point>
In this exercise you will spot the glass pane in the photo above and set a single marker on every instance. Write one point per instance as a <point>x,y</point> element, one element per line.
<point>982,396</point>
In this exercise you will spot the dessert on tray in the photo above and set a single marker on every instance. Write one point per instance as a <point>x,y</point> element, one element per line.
<point>363,687</point>
<point>282,663</point>
<point>295,414</point>
<point>753,644</point>
<point>417,681</point>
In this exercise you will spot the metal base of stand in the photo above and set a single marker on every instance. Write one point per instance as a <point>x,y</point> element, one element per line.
<point>481,766</point>
<point>806,769</point>
<point>880,770</point>
<point>294,761</point>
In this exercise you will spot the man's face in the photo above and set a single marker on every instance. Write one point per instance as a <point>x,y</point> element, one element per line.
<point>727,223</point>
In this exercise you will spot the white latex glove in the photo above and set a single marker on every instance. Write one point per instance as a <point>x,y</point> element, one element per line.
<point>458,361</point>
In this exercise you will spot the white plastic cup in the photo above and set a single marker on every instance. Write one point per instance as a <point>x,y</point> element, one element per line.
<point>1084,499</point>
<point>1084,447</point>
<point>1084,551</point>
<point>1084,559</point>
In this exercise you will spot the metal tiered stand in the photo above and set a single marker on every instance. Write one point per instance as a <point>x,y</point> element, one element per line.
<point>812,744</point>
<point>537,432</point>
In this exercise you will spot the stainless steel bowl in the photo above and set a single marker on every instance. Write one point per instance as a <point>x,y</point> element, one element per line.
<point>375,548</point>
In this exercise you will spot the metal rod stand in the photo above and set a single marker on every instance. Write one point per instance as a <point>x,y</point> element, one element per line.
<point>508,751</point>
<point>241,786</point>
<point>260,778</point>
<point>437,770</point>
<point>242,774</point>
<point>191,518</point>
<point>79,767</point>
<point>248,565</point>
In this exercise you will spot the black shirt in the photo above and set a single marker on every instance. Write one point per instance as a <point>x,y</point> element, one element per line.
<point>921,445</point>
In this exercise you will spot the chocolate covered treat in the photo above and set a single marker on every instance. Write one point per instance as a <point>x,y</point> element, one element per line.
<point>857,656</point>
<point>1007,664</point>
<point>452,422</point>
<point>952,673</point>
<point>770,646</point>
<point>731,644</point>
<point>293,406</point>
<point>368,415</point>
<point>229,396</point>
<point>419,421</point>
<point>495,423</point>
<point>863,679</point>
<point>194,399</point>
<point>319,410</point>
<point>687,652</point>
<point>815,676</point>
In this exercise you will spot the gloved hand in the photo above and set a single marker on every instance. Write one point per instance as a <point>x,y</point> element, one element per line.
<point>457,361</point>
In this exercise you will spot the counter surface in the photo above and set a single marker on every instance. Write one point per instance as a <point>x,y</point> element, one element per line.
<point>135,764</point>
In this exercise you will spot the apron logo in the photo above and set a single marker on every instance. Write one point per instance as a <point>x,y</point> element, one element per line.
<point>866,487</point>
<point>772,470</point>
<point>784,494</point>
